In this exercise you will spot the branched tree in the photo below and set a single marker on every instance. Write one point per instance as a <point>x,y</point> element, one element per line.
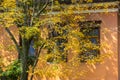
<point>24,14</point>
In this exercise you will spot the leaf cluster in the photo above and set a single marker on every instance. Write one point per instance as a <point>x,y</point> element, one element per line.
<point>13,71</point>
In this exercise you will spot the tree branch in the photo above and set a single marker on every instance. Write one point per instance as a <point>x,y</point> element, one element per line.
<point>17,2</point>
<point>36,61</point>
<point>13,39</point>
<point>41,10</point>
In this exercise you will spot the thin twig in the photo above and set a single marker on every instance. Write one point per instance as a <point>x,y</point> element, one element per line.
<point>13,39</point>
<point>39,12</point>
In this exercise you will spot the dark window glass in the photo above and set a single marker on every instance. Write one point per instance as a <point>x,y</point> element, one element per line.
<point>91,31</point>
<point>31,49</point>
<point>59,41</point>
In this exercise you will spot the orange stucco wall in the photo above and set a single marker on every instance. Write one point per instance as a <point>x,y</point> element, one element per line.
<point>7,50</point>
<point>108,70</point>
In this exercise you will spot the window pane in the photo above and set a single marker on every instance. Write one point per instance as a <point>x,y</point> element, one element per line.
<point>94,40</point>
<point>91,32</point>
<point>94,32</point>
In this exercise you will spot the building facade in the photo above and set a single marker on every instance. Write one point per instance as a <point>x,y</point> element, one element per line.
<point>109,36</point>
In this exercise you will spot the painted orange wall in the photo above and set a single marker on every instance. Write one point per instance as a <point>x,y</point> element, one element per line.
<point>6,52</point>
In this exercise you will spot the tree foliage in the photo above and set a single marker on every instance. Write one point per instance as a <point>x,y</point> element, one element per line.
<point>58,34</point>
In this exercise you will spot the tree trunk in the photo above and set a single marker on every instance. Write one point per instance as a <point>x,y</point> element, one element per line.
<point>24,58</point>
<point>24,74</point>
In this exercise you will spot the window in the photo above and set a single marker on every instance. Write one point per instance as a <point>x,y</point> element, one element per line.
<point>57,37</point>
<point>91,31</point>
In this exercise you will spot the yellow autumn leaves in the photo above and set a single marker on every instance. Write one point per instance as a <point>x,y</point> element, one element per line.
<point>9,3</point>
<point>29,32</point>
